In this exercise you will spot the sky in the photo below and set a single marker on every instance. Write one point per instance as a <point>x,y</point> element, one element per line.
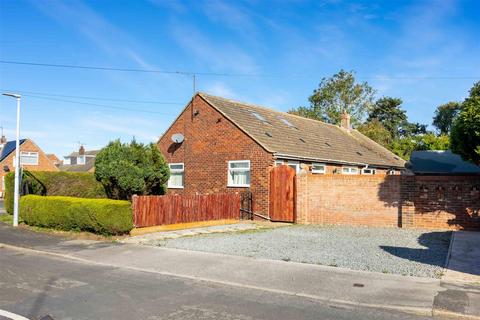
<point>272,53</point>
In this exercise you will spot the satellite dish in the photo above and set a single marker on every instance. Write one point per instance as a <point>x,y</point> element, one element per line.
<point>178,138</point>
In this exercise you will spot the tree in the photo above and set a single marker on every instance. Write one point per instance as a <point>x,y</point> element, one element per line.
<point>431,141</point>
<point>404,146</point>
<point>388,112</point>
<point>337,94</point>
<point>445,115</point>
<point>465,133</point>
<point>409,129</point>
<point>126,169</point>
<point>375,130</point>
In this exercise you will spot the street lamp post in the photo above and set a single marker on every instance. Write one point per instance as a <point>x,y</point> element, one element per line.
<point>17,161</point>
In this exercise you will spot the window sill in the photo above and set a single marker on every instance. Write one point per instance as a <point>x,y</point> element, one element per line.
<point>168,187</point>
<point>238,186</point>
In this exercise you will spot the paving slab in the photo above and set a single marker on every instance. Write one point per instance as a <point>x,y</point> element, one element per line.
<point>464,260</point>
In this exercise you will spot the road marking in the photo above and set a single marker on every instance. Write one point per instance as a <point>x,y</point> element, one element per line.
<point>11,315</point>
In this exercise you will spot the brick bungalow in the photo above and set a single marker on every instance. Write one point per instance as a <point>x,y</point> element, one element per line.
<point>32,158</point>
<point>230,146</point>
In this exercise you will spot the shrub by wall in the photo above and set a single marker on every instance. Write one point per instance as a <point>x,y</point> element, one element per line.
<point>47,183</point>
<point>102,216</point>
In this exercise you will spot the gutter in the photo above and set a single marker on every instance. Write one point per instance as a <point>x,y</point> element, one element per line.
<point>289,156</point>
<point>293,157</point>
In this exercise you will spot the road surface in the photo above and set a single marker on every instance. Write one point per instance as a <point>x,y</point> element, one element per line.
<point>36,285</point>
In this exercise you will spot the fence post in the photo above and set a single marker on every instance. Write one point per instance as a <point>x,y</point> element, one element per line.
<point>134,210</point>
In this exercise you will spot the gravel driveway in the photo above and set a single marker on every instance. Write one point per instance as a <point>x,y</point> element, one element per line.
<point>407,252</point>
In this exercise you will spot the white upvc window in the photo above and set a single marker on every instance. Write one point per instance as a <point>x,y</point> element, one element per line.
<point>368,171</point>
<point>239,173</point>
<point>81,160</point>
<point>28,158</point>
<point>278,162</point>
<point>295,165</point>
<point>319,168</point>
<point>349,170</point>
<point>177,176</point>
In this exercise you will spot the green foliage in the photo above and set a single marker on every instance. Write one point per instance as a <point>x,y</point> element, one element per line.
<point>431,141</point>
<point>9,191</point>
<point>126,169</point>
<point>54,183</point>
<point>445,115</point>
<point>337,94</point>
<point>465,134</point>
<point>102,216</point>
<point>404,146</point>
<point>387,111</point>
<point>375,130</point>
<point>409,129</point>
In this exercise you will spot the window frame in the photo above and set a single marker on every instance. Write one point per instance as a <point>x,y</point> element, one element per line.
<point>279,162</point>
<point>30,153</point>
<point>324,171</point>
<point>296,163</point>
<point>230,183</point>
<point>169,186</point>
<point>372,171</point>
<point>350,170</point>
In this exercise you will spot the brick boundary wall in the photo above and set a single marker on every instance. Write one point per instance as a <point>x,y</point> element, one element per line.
<point>426,202</point>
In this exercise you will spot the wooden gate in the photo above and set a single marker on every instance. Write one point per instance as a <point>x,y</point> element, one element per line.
<point>282,194</point>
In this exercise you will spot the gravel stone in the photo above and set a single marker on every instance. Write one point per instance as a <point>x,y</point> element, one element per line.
<point>401,251</point>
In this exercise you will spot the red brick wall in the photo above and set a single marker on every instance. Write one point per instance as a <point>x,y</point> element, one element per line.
<point>369,200</point>
<point>447,202</point>
<point>427,202</point>
<point>210,142</point>
<point>44,163</point>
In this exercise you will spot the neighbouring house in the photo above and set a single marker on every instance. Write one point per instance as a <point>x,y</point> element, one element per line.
<point>80,161</point>
<point>220,145</point>
<point>440,162</point>
<point>56,161</point>
<point>32,158</point>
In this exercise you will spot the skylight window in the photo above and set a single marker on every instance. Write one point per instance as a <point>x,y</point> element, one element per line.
<point>259,117</point>
<point>288,123</point>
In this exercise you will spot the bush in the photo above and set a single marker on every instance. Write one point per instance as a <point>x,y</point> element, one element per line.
<point>102,216</point>
<point>54,183</point>
<point>126,169</point>
<point>8,196</point>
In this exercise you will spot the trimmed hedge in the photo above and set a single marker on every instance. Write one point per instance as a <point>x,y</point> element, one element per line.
<point>102,216</point>
<point>55,183</point>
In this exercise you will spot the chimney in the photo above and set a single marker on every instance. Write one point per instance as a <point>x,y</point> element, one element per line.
<point>345,123</point>
<point>3,142</point>
<point>81,151</point>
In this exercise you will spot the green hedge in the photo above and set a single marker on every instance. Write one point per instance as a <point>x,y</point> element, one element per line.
<point>102,216</point>
<point>55,183</point>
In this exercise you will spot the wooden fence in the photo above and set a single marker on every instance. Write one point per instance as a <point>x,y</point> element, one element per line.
<point>170,209</point>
